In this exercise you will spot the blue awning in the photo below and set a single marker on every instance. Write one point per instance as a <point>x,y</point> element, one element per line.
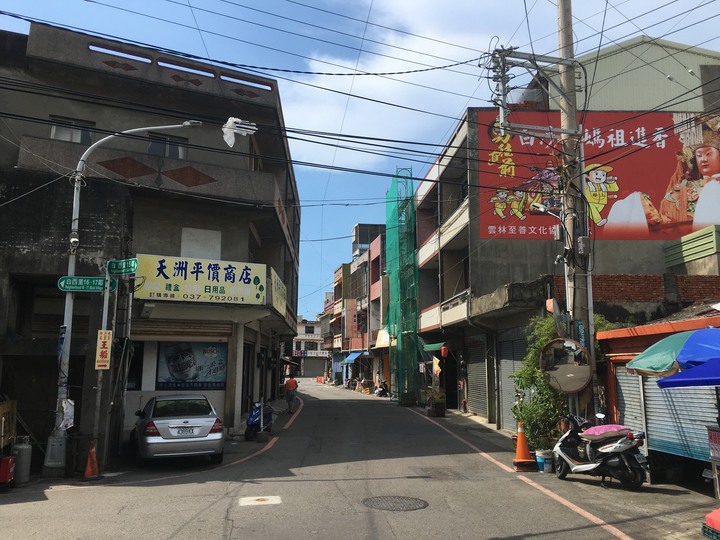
<point>352,357</point>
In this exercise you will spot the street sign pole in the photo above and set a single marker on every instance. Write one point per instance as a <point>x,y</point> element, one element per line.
<point>123,267</point>
<point>99,372</point>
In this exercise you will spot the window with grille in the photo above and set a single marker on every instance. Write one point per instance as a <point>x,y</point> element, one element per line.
<point>71,130</point>
<point>167,146</point>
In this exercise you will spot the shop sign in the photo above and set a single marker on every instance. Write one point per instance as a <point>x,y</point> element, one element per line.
<point>187,279</point>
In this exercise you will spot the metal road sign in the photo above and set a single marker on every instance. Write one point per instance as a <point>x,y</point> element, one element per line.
<point>84,284</point>
<point>122,267</point>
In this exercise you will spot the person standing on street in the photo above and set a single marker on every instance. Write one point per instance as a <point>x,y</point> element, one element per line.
<point>291,386</point>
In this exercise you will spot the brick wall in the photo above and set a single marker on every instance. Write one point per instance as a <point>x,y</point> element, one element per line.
<point>647,288</point>
<point>698,288</point>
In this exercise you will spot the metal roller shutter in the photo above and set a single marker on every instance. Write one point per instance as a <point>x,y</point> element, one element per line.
<point>158,329</point>
<point>511,357</point>
<point>676,419</point>
<point>629,405</point>
<point>313,367</point>
<point>477,379</point>
<point>507,387</point>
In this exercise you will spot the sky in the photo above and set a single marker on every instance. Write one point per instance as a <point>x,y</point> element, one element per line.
<point>401,72</point>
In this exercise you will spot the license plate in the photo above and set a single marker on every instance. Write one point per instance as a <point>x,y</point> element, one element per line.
<point>185,431</point>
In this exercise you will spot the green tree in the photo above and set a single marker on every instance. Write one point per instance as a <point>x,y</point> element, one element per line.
<point>538,406</point>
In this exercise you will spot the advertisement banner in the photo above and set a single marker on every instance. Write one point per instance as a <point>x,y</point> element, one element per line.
<point>191,366</point>
<point>102,350</point>
<point>651,175</point>
<point>187,279</point>
<point>279,293</point>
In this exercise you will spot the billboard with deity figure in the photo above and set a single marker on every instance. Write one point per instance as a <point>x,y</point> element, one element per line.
<point>647,175</point>
<point>187,279</point>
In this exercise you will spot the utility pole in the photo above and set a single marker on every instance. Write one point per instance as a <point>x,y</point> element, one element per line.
<point>559,72</point>
<point>577,240</point>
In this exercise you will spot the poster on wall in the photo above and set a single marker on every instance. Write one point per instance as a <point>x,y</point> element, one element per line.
<point>649,175</point>
<point>191,366</point>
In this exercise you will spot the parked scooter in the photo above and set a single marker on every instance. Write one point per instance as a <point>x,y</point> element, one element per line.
<point>605,451</point>
<point>253,422</point>
<point>382,390</point>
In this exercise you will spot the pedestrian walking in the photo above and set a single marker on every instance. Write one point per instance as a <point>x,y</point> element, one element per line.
<point>291,386</point>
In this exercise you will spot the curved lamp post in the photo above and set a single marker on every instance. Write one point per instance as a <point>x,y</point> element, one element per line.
<point>55,455</point>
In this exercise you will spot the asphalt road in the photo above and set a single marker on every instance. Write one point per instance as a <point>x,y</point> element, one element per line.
<point>348,465</point>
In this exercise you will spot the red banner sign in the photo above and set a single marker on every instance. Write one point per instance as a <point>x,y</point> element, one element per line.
<point>647,175</point>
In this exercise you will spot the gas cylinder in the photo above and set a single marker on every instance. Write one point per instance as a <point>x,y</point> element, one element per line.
<point>23,456</point>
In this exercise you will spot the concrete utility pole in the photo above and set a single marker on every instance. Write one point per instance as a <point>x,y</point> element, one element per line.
<point>577,255</point>
<point>577,240</point>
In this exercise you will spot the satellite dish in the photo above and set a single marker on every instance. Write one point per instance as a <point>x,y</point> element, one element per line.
<point>565,363</point>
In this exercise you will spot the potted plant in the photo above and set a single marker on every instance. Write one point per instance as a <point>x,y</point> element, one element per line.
<point>538,406</point>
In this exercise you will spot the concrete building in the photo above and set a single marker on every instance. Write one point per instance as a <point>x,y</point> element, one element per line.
<point>488,260</point>
<point>355,318</point>
<point>215,231</point>
<point>308,354</point>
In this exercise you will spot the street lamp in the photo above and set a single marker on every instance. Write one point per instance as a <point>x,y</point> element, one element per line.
<point>235,126</point>
<point>57,442</point>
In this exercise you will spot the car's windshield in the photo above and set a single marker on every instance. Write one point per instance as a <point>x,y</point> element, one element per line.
<point>181,407</point>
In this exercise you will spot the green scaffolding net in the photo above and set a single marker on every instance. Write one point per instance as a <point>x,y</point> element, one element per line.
<point>402,283</point>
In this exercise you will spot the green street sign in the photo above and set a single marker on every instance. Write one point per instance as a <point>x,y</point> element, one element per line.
<point>85,284</point>
<point>123,267</point>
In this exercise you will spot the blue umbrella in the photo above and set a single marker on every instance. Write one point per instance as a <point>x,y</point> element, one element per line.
<point>699,357</point>
<point>684,349</point>
<point>707,374</point>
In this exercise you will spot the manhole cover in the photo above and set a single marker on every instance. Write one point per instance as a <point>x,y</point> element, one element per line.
<point>395,504</point>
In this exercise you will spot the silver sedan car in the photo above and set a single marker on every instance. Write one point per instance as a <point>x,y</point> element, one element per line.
<point>178,425</point>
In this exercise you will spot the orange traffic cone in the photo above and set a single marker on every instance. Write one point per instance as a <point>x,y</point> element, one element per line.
<point>523,462</point>
<point>91,469</point>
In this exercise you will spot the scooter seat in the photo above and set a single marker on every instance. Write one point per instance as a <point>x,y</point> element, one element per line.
<point>597,433</point>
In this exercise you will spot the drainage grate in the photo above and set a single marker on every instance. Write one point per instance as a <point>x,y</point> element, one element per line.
<point>395,503</point>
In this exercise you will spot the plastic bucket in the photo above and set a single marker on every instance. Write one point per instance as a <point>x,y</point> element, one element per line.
<point>544,462</point>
